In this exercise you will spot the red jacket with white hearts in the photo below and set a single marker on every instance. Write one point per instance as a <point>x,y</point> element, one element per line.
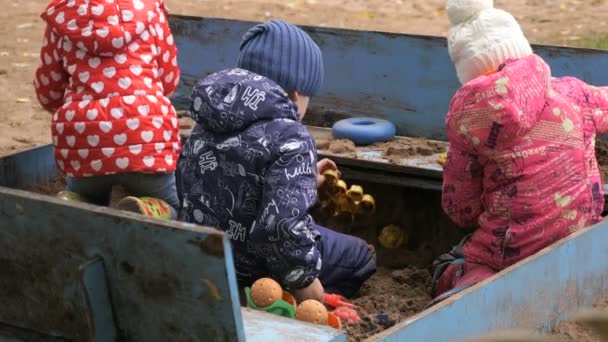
<point>107,70</point>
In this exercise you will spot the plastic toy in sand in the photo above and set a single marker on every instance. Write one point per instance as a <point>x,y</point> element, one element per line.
<point>364,131</point>
<point>343,309</point>
<point>267,295</point>
<point>442,159</point>
<point>392,236</point>
<point>337,198</point>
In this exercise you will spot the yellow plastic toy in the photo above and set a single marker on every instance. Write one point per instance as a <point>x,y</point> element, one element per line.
<point>337,198</point>
<point>391,237</point>
<point>442,158</point>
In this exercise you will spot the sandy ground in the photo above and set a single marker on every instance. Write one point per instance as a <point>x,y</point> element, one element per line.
<point>23,124</point>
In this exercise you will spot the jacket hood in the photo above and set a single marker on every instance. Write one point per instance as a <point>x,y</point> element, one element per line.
<point>509,101</point>
<point>233,99</point>
<point>101,27</point>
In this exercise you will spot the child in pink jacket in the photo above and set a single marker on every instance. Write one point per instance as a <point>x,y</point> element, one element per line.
<point>522,163</point>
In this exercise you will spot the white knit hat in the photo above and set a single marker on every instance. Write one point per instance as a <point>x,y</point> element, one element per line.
<point>482,37</point>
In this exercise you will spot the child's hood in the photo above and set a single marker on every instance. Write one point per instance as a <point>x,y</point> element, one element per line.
<point>101,27</point>
<point>490,110</point>
<point>233,99</point>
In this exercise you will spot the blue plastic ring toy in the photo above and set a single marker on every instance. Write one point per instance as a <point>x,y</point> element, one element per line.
<point>364,131</point>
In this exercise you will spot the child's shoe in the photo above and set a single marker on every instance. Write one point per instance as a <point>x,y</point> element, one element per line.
<point>148,206</point>
<point>70,196</point>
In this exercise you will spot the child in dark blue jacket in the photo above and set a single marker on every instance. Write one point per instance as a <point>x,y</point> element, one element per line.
<point>250,168</point>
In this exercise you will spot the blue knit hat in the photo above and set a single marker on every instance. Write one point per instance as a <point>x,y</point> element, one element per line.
<point>285,54</point>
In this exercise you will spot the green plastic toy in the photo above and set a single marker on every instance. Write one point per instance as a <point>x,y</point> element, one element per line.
<point>279,307</point>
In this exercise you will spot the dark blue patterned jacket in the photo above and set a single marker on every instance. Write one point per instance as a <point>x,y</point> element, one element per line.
<point>249,169</point>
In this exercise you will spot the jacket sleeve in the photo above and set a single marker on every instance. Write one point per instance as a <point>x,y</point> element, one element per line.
<point>284,233</point>
<point>51,79</point>
<point>168,70</point>
<point>597,100</point>
<point>462,187</point>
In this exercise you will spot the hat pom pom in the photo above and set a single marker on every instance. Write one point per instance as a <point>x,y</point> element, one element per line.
<point>461,10</point>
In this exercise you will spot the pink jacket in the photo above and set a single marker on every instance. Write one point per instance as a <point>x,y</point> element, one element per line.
<point>522,160</point>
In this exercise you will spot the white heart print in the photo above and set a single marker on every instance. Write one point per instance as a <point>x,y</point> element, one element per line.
<point>72,25</point>
<point>70,140</point>
<point>133,123</point>
<point>69,115</point>
<point>149,161</point>
<point>135,149</point>
<point>82,10</point>
<point>75,164</point>
<point>139,92</point>
<point>71,68</point>
<point>55,76</point>
<point>124,82</point>
<point>139,27</point>
<point>96,165</point>
<point>146,58</point>
<point>94,62</point>
<point>102,32</point>
<point>122,163</point>
<point>148,82</point>
<point>174,122</point>
<point>93,140</point>
<point>118,42</point>
<point>127,15</point>
<point>83,153</point>
<point>113,20</point>
<point>143,110</point>
<point>83,76</point>
<point>169,159</point>
<point>164,109</point>
<point>117,113</point>
<point>64,152</point>
<point>67,45</point>
<point>157,122</point>
<point>133,47</point>
<point>104,102</point>
<point>60,18</point>
<point>105,126</point>
<point>45,80</point>
<point>120,139</point>
<point>152,99</point>
<point>130,99</point>
<point>138,5</point>
<point>147,136</point>
<point>109,72</point>
<point>136,69</point>
<point>159,147</point>
<point>107,151</point>
<point>80,54</point>
<point>59,128</point>
<point>167,135</point>
<point>97,10</point>
<point>120,58</point>
<point>98,86</point>
<point>92,114</point>
<point>80,127</point>
<point>83,104</point>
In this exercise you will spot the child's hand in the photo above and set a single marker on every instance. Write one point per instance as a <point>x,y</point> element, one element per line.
<point>322,166</point>
<point>313,291</point>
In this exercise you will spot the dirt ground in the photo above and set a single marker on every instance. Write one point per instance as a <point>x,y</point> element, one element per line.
<point>23,124</point>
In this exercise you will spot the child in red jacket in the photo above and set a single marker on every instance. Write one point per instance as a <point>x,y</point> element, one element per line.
<point>107,70</point>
